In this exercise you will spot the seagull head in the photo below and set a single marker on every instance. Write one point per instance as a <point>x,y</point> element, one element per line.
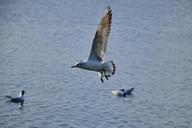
<point>22,92</point>
<point>78,65</point>
<point>122,90</point>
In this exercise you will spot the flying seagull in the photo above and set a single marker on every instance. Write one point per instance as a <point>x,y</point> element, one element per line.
<point>98,49</point>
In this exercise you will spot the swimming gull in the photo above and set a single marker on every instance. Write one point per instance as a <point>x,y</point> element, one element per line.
<point>98,49</point>
<point>18,99</point>
<point>123,92</point>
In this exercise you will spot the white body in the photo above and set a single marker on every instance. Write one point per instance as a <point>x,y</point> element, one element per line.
<point>117,93</point>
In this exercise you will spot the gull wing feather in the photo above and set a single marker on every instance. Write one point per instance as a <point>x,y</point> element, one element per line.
<point>100,40</point>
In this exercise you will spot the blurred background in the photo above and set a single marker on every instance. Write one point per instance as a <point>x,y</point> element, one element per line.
<point>150,43</point>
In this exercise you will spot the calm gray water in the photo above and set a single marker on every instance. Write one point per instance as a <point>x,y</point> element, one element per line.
<point>150,42</point>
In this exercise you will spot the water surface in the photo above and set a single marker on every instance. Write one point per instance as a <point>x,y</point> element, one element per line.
<point>150,42</point>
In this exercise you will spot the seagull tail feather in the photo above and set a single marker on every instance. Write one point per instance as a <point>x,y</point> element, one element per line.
<point>109,68</point>
<point>114,68</point>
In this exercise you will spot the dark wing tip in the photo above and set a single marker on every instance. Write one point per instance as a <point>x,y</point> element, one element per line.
<point>109,9</point>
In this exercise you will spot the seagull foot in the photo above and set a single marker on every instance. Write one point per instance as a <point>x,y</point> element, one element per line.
<point>106,77</point>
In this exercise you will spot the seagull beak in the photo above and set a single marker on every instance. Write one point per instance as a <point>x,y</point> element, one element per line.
<point>73,66</point>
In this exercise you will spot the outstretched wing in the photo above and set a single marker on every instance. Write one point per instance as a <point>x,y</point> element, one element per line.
<point>100,40</point>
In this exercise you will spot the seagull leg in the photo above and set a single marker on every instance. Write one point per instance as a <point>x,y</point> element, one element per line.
<point>102,79</point>
<point>102,75</point>
<point>106,76</point>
